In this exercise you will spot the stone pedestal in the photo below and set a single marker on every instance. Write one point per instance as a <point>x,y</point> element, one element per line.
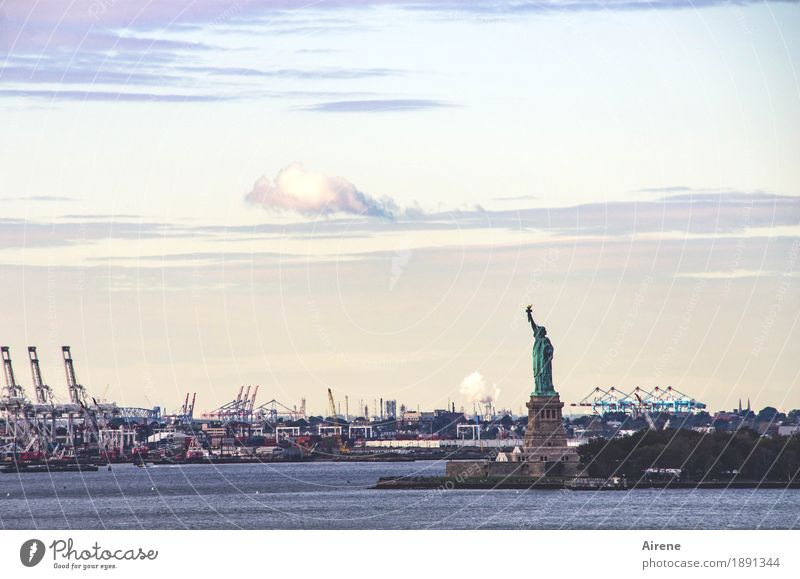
<point>546,451</point>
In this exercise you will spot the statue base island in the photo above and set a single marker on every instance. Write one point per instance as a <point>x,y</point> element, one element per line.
<point>545,452</point>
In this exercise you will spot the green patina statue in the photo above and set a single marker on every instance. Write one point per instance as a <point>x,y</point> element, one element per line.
<point>542,359</point>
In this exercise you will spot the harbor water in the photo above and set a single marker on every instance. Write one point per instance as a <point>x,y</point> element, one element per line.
<point>338,496</point>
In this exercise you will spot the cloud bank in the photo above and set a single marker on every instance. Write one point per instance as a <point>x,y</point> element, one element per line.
<point>297,190</point>
<point>130,51</point>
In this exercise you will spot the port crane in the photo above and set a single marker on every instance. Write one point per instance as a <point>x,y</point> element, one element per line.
<point>251,405</point>
<point>41,427</point>
<point>12,390</point>
<point>243,408</point>
<point>15,406</point>
<point>334,429</point>
<point>94,417</point>
<point>272,410</point>
<point>658,400</point>
<point>647,417</point>
<point>44,410</point>
<point>239,409</point>
<point>33,424</point>
<point>44,394</point>
<point>77,393</point>
<point>331,405</point>
<point>187,410</point>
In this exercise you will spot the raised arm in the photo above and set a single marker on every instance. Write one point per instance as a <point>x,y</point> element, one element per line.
<point>530,319</point>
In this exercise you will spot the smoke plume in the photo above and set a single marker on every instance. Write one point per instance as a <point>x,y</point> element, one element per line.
<point>298,190</point>
<point>475,388</point>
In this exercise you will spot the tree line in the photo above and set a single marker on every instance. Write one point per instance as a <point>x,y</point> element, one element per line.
<point>743,455</point>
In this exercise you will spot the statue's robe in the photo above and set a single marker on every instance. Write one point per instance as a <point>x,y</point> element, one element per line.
<point>543,366</point>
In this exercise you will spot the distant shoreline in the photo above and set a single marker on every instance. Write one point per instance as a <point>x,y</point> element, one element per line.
<point>445,483</point>
<point>74,465</point>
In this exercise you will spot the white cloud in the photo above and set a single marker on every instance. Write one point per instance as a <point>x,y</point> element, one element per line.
<point>734,274</point>
<point>296,189</point>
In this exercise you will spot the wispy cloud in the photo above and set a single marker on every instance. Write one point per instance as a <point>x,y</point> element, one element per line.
<point>295,73</point>
<point>157,14</point>
<point>711,213</point>
<point>15,233</point>
<point>733,274</point>
<point>99,95</point>
<point>304,193</point>
<point>516,198</point>
<point>40,198</point>
<point>101,216</point>
<point>376,106</point>
<point>667,189</point>
<point>58,73</point>
<point>717,197</point>
<point>106,51</point>
<point>138,49</point>
<point>515,7</point>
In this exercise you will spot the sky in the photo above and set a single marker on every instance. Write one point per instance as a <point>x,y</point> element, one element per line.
<point>365,195</point>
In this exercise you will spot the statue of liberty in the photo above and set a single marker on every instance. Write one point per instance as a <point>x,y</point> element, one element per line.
<point>542,359</point>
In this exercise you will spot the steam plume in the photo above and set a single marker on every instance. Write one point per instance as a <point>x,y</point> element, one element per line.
<point>475,388</point>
